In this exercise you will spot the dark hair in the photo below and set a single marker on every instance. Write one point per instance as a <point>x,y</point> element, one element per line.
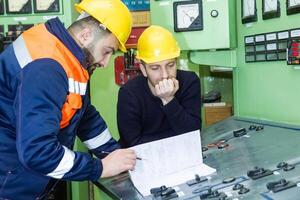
<point>89,22</point>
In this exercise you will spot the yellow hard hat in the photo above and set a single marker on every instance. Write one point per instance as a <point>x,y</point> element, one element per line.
<point>113,14</point>
<point>157,44</point>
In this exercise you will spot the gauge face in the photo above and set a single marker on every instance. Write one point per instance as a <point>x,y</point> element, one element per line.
<point>42,6</point>
<point>248,8</point>
<point>16,5</point>
<point>293,7</point>
<point>271,9</point>
<point>270,5</point>
<point>294,3</point>
<point>187,15</point>
<point>249,11</point>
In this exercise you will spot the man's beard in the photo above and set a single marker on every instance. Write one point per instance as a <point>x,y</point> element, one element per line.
<point>89,63</point>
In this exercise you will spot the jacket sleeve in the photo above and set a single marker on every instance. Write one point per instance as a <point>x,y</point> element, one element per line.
<point>185,115</point>
<point>41,92</point>
<point>93,132</point>
<point>129,119</point>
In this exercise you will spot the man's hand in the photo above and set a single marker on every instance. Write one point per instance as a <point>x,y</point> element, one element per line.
<point>117,162</point>
<point>166,90</point>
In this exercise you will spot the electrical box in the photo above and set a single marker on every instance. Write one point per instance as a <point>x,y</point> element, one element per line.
<point>217,31</point>
<point>17,16</point>
<point>126,68</point>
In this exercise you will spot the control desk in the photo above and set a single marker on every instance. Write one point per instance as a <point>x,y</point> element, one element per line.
<point>254,160</point>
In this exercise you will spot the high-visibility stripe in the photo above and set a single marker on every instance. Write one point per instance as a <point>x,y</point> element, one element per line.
<point>77,87</point>
<point>82,88</point>
<point>21,52</point>
<point>71,85</point>
<point>99,140</point>
<point>65,164</point>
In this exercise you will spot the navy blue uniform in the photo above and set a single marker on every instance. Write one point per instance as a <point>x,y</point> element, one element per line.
<point>142,117</point>
<point>33,146</point>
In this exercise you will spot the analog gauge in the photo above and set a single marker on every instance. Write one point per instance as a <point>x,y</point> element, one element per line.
<point>187,16</point>
<point>18,6</point>
<point>46,6</point>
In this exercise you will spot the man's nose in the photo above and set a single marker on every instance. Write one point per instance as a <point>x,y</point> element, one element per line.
<point>164,73</point>
<point>104,62</point>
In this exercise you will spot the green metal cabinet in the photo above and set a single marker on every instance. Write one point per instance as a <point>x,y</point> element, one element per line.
<point>218,32</point>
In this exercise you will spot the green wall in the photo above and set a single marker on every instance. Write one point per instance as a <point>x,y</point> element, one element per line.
<point>266,90</point>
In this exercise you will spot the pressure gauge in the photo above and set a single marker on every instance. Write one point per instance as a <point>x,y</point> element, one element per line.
<point>18,6</point>
<point>187,15</point>
<point>293,6</point>
<point>271,9</point>
<point>43,6</point>
<point>249,11</point>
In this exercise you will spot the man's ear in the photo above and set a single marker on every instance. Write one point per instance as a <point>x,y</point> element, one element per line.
<point>143,69</point>
<point>85,36</point>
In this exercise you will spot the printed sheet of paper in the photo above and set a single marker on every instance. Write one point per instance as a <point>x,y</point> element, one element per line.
<point>169,162</point>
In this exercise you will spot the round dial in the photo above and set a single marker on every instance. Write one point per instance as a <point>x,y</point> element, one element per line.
<point>186,15</point>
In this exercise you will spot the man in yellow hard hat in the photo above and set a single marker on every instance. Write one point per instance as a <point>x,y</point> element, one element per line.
<point>44,102</point>
<point>164,102</point>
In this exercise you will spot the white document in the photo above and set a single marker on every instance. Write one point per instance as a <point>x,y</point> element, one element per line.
<point>169,162</point>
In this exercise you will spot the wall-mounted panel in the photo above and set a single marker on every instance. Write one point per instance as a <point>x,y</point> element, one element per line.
<point>266,90</point>
<point>217,32</point>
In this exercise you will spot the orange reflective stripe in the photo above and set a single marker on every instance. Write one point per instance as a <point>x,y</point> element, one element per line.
<point>42,44</point>
<point>69,109</point>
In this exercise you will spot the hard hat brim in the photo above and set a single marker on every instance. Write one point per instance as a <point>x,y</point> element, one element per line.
<point>158,59</point>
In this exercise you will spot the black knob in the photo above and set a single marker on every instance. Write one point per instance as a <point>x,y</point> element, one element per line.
<point>228,180</point>
<point>238,186</point>
<point>215,193</point>
<point>282,165</point>
<point>204,149</point>
<point>259,128</point>
<point>243,190</point>
<point>223,145</point>
<point>252,127</point>
<point>288,167</point>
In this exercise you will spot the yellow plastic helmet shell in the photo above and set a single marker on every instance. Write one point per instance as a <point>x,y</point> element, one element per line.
<point>113,14</point>
<point>157,44</point>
